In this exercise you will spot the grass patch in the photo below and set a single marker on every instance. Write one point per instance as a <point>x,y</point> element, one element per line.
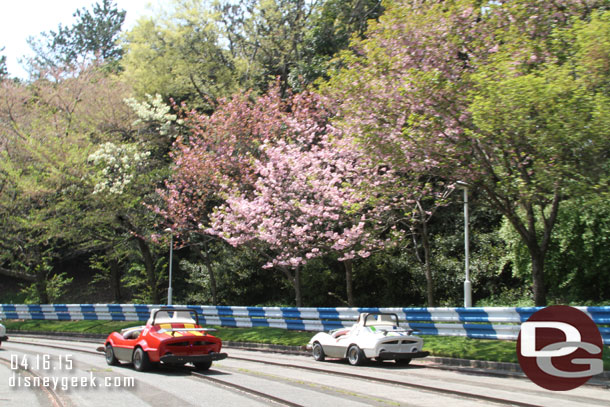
<point>446,346</point>
<point>468,348</point>
<point>84,327</point>
<point>274,336</point>
<point>481,349</point>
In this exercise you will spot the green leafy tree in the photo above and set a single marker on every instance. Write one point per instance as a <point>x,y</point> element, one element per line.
<point>3,69</point>
<point>178,55</point>
<point>41,171</point>
<point>199,50</point>
<point>551,123</point>
<point>94,35</point>
<point>577,255</point>
<point>123,178</point>
<point>57,198</point>
<point>502,95</point>
<point>266,38</point>
<point>333,24</point>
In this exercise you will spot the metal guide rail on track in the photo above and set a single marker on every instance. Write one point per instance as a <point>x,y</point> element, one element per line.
<point>351,375</point>
<point>393,382</point>
<point>52,395</point>
<point>57,402</point>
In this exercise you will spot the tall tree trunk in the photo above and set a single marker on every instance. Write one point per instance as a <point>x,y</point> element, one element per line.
<point>527,230</point>
<point>149,265</point>
<point>349,286</point>
<point>428,266</point>
<point>298,299</point>
<point>208,264</point>
<point>425,262</point>
<point>41,287</point>
<point>115,280</point>
<point>150,270</point>
<point>538,278</point>
<point>295,279</point>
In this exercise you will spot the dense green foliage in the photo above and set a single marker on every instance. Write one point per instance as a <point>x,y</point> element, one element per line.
<point>93,36</point>
<point>3,70</point>
<point>119,135</point>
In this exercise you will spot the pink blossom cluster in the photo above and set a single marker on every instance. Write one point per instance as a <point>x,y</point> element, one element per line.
<point>215,154</point>
<point>308,201</point>
<point>314,194</point>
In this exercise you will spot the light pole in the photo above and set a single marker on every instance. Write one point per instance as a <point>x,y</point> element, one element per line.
<point>467,284</point>
<point>171,252</point>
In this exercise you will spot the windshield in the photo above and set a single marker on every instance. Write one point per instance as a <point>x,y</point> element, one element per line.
<point>378,320</point>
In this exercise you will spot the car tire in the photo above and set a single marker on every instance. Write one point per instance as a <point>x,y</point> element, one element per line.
<point>141,362</point>
<point>402,362</point>
<point>203,366</point>
<point>355,356</point>
<point>110,357</point>
<point>318,352</point>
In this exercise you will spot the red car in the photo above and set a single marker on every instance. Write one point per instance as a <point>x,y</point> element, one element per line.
<point>171,335</point>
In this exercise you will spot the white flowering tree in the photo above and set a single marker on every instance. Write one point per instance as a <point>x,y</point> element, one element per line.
<point>117,165</point>
<point>123,179</point>
<point>153,110</point>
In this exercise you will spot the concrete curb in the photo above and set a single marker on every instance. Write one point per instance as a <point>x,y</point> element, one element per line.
<point>475,366</point>
<point>57,334</point>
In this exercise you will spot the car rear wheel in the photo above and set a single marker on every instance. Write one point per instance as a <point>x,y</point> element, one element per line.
<point>203,366</point>
<point>355,356</point>
<point>141,362</point>
<point>318,352</point>
<point>110,357</point>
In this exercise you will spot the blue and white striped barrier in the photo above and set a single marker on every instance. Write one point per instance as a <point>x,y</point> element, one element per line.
<point>482,323</point>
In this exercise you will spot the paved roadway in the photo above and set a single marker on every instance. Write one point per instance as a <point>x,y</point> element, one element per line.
<point>96,384</point>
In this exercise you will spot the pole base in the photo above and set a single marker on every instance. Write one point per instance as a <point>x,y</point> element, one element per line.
<point>467,294</point>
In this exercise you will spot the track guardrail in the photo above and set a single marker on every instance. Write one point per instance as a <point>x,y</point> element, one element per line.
<point>476,322</point>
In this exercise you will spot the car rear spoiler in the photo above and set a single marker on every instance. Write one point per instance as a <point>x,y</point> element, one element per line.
<point>163,330</point>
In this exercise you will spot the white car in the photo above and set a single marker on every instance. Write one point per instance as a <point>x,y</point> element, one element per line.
<point>374,335</point>
<point>3,336</point>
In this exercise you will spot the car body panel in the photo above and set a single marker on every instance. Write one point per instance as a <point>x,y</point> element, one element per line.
<point>176,339</point>
<point>3,337</point>
<point>378,335</point>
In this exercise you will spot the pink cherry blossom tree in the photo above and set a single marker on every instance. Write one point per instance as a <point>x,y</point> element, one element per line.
<point>214,154</point>
<point>287,183</point>
<point>312,195</point>
<point>311,198</point>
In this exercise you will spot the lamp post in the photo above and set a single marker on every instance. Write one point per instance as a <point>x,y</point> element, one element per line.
<point>467,284</point>
<point>171,252</point>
